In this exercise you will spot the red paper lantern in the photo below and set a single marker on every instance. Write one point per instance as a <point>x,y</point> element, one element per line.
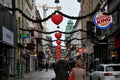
<point>58,53</point>
<point>58,50</point>
<point>58,42</point>
<point>58,57</point>
<point>80,50</point>
<point>58,47</point>
<point>57,18</point>
<point>58,35</point>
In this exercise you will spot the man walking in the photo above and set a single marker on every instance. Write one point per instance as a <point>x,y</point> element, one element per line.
<point>62,69</point>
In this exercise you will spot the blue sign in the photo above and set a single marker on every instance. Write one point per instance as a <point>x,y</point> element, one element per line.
<point>24,35</point>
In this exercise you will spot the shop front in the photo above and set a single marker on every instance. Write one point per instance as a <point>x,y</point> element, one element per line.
<point>117,46</point>
<point>8,40</point>
<point>8,62</point>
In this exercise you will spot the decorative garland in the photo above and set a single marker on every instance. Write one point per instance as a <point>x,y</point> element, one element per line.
<point>57,11</point>
<point>60,32</point>
<point>62,40</point>
<point>55,31</point>
<point>51,46</point>
<point>48,17</point>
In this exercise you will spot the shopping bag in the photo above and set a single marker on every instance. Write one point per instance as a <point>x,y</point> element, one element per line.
<point>71,75</point>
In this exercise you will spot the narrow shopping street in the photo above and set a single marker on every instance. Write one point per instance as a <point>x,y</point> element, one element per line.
<point>79,37</point>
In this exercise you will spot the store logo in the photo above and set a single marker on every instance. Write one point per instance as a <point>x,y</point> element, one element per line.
<point>102,21</point>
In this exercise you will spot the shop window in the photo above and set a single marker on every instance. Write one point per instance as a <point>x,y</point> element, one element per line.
<point>12,63</point>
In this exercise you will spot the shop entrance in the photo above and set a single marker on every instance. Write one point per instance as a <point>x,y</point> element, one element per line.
<point>7,61</point>
<point>4,71</point>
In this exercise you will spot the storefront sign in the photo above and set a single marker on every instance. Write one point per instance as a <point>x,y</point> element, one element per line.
<point>8,36</point>
<point>117,40</point>
<point>24,35</point>
<point>102,21</point>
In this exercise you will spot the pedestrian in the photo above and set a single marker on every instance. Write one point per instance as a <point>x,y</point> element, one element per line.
<point>40,66</point>
<point>62,69</point>
<point>46,66</point>
<point>53,65</point>
<point>78,71</point>
<point>72,64</point>
<point>94,65</point>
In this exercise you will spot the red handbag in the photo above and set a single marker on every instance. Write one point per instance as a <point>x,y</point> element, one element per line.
<point>71,77</point>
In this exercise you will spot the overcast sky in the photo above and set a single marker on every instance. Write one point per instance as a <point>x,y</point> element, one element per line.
<point>69,7</point>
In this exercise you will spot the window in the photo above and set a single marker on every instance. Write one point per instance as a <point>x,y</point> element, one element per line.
<point>113,68</point>
<point>109,69</point>
<point>12,61</point>
<point>100,68</point>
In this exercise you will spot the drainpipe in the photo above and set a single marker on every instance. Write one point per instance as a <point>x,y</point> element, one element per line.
<point>13,6</point>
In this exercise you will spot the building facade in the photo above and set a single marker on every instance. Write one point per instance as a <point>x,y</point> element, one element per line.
<point>113,32</point>
<point>92,43</point>
<point>69,28</point>
<point>102,43</point>
<point>86,8</point>
<point>37,38</point>
<point>76,39</point>
<point>26,45</point>
<point>8,41</point>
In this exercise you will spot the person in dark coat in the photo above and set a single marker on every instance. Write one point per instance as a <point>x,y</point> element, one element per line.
<point>46,66</point>
<point>62,69</point>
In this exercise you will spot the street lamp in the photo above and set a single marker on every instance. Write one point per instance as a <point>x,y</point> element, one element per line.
<point>57,1</point>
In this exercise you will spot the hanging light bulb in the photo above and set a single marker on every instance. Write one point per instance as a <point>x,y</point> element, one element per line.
<point>57,1</point>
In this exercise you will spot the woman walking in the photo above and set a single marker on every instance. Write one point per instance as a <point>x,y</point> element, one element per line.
<point>78,71</point>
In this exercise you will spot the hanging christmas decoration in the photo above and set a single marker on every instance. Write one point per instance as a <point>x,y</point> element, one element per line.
<point>80,50</point>
<point>58,35</point>
<point>57,18</point>
<point>67,16</point>
<point>58,55</point>
<point>58,50</point>
<point>59,47</point>
<point>58,42</point>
